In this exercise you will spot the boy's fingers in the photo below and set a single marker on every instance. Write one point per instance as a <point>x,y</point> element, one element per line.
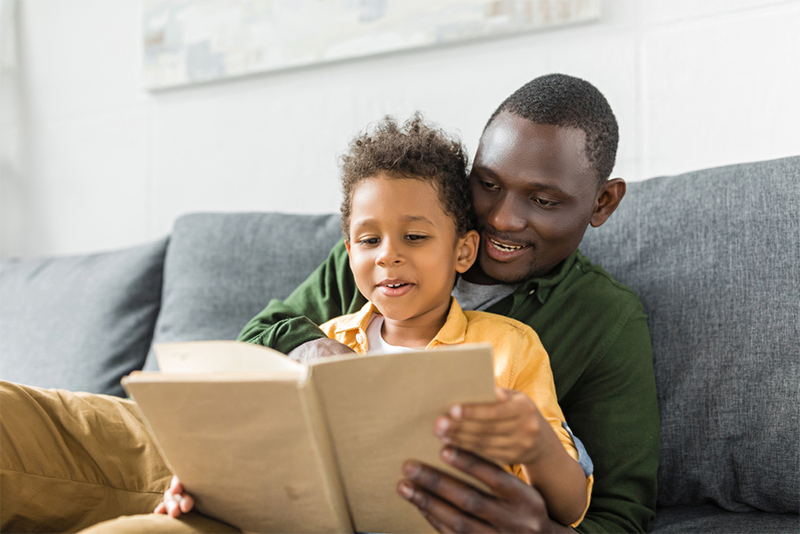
<point>516,405</point>
<point>187,503</point>
<point>161,508</point>
<point>447,427</point>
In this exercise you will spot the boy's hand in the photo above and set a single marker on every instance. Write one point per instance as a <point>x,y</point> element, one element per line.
<point>511,430</point>
<point>318,348</point>
<point>176,500</point>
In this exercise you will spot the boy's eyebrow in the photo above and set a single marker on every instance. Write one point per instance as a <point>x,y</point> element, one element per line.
<point>531,185</point>
<point>407,218</point>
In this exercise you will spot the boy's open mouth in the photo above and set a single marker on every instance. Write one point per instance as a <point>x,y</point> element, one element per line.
<point>395,288</point>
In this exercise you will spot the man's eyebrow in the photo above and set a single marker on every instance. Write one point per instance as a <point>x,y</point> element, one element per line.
<point>539,186</point>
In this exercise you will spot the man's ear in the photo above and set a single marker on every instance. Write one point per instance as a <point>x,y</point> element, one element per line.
<point>608,198</point>
<point>467,248</point>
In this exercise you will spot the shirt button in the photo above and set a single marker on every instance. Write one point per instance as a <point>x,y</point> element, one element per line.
<point>531,292</point>
<point>359,338</point>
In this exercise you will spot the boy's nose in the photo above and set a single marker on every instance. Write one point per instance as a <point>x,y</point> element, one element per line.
<point>388,255</point>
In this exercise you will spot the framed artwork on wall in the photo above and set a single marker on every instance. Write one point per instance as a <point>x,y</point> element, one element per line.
<point>195,41</point>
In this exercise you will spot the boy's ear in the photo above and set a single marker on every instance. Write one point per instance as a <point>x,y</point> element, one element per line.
<point>467,249</point>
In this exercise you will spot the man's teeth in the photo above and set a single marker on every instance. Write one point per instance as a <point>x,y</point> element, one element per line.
<point>505,248</point>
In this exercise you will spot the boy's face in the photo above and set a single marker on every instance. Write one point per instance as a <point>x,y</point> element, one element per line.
<point>535,193</point>
<point>403,248</point>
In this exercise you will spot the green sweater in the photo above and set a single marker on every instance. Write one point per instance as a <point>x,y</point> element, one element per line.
<point>594,330</point>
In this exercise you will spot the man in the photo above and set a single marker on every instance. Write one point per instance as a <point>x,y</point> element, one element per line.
<point>540,178</point>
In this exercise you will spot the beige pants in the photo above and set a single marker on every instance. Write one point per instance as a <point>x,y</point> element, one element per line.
<point>71,460</point>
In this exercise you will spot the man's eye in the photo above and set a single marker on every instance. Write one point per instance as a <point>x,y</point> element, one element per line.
<point>544,203</point>
<point>490,186</point>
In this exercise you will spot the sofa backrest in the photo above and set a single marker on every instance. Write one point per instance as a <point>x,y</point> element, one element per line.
<point>79,323</point>
<point>221,269</point>
<point>714,256</point>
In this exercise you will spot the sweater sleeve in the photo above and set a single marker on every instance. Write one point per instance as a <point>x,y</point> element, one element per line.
<point>616,408</point>
<point>329,292</point>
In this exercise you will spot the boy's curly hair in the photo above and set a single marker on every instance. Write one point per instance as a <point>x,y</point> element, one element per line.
<point>416,150</point>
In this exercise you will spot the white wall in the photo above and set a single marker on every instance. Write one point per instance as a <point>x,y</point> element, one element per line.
<point>91,161</point>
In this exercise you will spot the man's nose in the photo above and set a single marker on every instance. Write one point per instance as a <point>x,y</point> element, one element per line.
<point>507,215</point>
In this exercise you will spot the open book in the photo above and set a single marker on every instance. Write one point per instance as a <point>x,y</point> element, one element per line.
<point>268,444</point>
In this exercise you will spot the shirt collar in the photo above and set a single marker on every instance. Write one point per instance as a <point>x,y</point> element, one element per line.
<point>454,330</point>
<point>358,320</point>
<point>542,287</point>
<point>452,333</point>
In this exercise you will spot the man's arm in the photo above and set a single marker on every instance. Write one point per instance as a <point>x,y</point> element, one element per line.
<point>613,409</point>
<point>329,292</point>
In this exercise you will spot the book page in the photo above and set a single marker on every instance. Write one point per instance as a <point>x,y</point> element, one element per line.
<point>248,451</point>
<point>221,357</point>
<point>381,411</point>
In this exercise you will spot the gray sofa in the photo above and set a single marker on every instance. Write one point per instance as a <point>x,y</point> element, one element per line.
<point>714,255</point>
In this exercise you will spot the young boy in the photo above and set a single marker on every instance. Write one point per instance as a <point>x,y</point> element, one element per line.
<point>408,226</point>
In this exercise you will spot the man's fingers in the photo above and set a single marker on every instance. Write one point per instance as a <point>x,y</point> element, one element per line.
<point>441,515</point>
<point>503,484</point>
<point>462,497</point>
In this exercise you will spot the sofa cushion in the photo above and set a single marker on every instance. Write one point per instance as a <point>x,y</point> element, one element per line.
<point>223,268</point>
<point>82,322</point>
<point>711,519</point>
<point>714,256</point>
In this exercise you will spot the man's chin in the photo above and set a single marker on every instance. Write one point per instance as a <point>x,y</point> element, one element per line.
<point>505,273</point>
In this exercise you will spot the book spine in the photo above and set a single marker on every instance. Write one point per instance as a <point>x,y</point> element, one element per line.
<point>329,466</point>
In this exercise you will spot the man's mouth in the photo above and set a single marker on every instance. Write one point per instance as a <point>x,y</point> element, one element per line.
<point>504,247</point>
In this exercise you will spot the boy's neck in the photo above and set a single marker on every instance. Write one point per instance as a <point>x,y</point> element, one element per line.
<point>417,332</point>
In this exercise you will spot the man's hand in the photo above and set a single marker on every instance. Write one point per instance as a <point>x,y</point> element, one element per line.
<point>450,505</point>
<point>319,348</point>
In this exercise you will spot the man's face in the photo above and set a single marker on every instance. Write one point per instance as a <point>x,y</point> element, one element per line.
<point>534,193</point>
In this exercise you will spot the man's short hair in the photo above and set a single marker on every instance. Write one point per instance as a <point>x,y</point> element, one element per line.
<point>567,101</point>
<point>417,150</point>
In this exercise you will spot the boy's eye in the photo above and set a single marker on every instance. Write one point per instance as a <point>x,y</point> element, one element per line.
<point>415,237</point>
<point>369,241</point>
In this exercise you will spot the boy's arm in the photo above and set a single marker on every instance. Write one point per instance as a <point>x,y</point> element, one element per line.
<point>329,292</point>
